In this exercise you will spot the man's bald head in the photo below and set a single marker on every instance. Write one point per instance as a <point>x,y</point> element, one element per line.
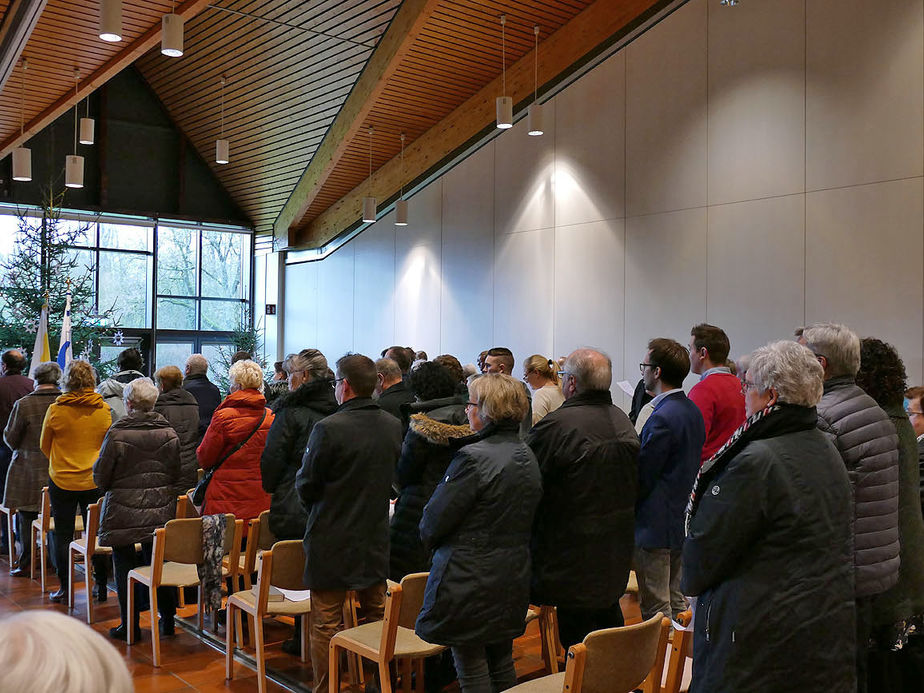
<point>13,362</point>
<point>590,369</point>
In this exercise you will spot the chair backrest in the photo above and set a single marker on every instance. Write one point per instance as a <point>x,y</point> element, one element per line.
<point>413,587</point>
<point>45,514</point>
<point>681,649</point>
<point>265,539</point>
<point>185,507</point>
<point>615,660</point>
<point>183,540</point>
<point>288,564</point>
<point>92,527</point>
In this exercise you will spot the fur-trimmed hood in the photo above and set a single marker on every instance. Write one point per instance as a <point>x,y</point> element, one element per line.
<point>437,432</point>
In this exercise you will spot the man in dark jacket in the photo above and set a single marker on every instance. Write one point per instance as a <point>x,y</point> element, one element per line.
<point>391,391</point>
<point>671,444</point>
<point>13,386</point>
<point>583,534</point>
<point>181,410</point>
<point>345,483</point>
<point>867,442</point>
<point>206,393</point>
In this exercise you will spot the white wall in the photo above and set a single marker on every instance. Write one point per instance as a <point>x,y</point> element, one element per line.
<point>756,167</point>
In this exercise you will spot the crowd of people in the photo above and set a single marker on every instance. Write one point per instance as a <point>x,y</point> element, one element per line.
<point>780,499</point>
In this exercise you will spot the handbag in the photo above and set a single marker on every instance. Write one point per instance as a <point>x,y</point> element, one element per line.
<point>198,494</point>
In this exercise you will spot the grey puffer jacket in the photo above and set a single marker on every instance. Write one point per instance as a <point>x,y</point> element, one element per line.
<point>866,440</point>
<point>112,388</point>
<point>138,468</point>
<point>181,410</point>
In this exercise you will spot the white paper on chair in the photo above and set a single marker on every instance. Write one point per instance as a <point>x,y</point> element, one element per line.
<point>689,626</point>
<point>296,595</point>
<point>626,387</point>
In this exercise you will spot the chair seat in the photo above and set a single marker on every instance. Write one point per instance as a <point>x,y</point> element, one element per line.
<point>173,575</point>
<point>554,683</point>
<point>407,642</point>
<point>247,601</point>
<point>78,524</point>
<point>81,545</point>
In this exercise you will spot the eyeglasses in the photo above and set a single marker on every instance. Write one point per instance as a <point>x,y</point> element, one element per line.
<point>745,386</point>
<point>471,404</point>
<point>337,381</point>
<point>913,413</point>
<point>642,366</point>
<point>565,374</point>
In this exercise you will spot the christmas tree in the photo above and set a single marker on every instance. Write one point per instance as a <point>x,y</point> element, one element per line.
<point>44,265</point>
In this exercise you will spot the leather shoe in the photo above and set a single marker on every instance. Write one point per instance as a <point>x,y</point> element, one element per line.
<point>120,632</point>
<point>167,627</point>
<point>59,596</point>
<point>21,571</point>
<point>101,592</point>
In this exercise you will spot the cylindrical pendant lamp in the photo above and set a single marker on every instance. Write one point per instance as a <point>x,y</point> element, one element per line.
<point>73,171</point>
<point>86,130</point>
<point>222,150</point>
<point>368,210</point>
<point>504,112</point>
<point>535,119</point>
<point>110,20</point>
<point>401,213</point>
<point>171,36</point>
<point>22,164</point>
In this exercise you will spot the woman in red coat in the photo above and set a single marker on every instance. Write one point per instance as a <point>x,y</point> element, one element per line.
<point>236,486</point>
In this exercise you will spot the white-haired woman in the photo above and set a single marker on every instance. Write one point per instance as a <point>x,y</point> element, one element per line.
<point>769,548</point>
<point>235,440</point>
<point>138,469</point>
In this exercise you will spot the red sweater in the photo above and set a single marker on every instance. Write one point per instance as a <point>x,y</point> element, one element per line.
<point>720,400</point>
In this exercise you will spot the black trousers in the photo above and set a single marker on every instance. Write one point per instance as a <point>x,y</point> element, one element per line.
<point>24,519</point>
<point>864,630</point>
<point>124,559</point>
<point>64,506</point>
<point>575,624</point>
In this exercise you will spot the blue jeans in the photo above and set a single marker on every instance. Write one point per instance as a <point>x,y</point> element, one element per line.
<point>485,668</point>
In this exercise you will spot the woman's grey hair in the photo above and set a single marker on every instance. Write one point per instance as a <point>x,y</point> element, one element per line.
<point>247,375</point>
<point>309,361</point>
<point>141,393</point>
<point>47,373</point>
<point>49,652</point>
<point>837,343</point>
<point>591,368</point>
<point>499,397</point>
<point>790,369</point>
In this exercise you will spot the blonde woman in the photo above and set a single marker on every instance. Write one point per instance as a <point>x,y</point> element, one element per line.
<point>541,374</point>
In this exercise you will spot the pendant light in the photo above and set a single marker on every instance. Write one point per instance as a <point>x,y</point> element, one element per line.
<point>22,156</point>
<point>535,108</point>
<point>401,205</point>
<point>222,148</point>
<point>504,103</point>
<point>171,34</point>
<point>73,168</point>
<point>369,201</point>
<point>87,126</point>
<point>110,20</point>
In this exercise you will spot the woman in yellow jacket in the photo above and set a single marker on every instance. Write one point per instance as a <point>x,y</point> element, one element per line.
<point>72,434</point>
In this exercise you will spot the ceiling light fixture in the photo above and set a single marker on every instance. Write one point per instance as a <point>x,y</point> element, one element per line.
<point>87,126</point>
<point>110,20</point>
<point>504,103</point>
<point>22,156</point>
<point>171,34</point>
<point>729,3</point>
<point>401,205</point>
<point>535,108</point>
<point>73,167</point>
<point>222,147</point>
<point>369,200</point>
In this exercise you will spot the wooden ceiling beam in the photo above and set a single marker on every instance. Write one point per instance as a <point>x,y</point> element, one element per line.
<point>580,37</point>
<point>393,46</point>
<point>88,84</point>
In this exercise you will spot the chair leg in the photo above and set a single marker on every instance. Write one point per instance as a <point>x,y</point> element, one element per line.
<point>333,669</point>
<point>419,668</point>
<point>35,549</point>
<point>384,677</point>
<point>130,608</point>
<point>405,667</point>
<point>261,654</point>
<point>155,631</point>
<point>88,588</point>
<point>304,622</point>
<point>9,529</point>
<point>71,558</point>
<point>229,644</point>
<point>239,615</point>
<point>201,600</point>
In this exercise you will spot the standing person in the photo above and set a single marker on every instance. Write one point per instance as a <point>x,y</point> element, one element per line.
<point>914,408</point>
<point>204,390</point>
<point>671,444</point>
<point>478,524</point>
<point>130,363</point>
<point>500,360</point>
<point>584,531</point>
<point>72,434</point>
<point>13,385</point>
<point>235,439</point>
<point>868,445</point>
<point>718,392</point>
<point>345,483</point>
<point>768,547</point>
<point>276,387</point>
<point>180,409</point>
<point>28,471</point>
<point>138,469</point>
<point>541,374</point>
<point>391,391</point>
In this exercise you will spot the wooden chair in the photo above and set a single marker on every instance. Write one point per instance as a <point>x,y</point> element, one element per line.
<point>86,547</point>
<point>612,660</point>
<point>185,507</point>
<point>681,650</point>
<point>259,539</point>
<point>391,638</point>
<point>281,566</point>
<point>41,526</point>
<point>9,512</point>
<point>176,553</point>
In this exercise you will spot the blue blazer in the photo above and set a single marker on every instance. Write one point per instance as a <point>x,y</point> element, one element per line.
<point>669,459</point>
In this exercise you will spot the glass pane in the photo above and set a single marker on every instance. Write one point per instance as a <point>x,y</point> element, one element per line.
<point>176,314</point>
<point>107,357</point>
<point>124,287</point>
<point>219,357</point>
<point>221,315</point>
<point>82,265</point>
<point>124,237</point>
<point>71,232</point>
<point>176,261</point>
<point>172,354</point>
<point>221,264</point>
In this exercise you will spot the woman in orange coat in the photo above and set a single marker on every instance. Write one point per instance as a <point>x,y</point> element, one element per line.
<point>236,428</point>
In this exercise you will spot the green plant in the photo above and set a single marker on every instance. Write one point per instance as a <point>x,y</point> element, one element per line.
<point>245,337</point>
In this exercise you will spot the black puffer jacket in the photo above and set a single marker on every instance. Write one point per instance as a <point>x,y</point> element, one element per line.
<point>138,468</point>
<point>769,554</point>
<point>868,444</point>
<point>181,410</point>
<point>296,414</point>
<point>478,521</point>
<point>425,455</point>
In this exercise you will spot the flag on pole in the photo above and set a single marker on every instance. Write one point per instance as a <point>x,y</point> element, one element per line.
<point>41,351</point>
<point>65,354</point>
